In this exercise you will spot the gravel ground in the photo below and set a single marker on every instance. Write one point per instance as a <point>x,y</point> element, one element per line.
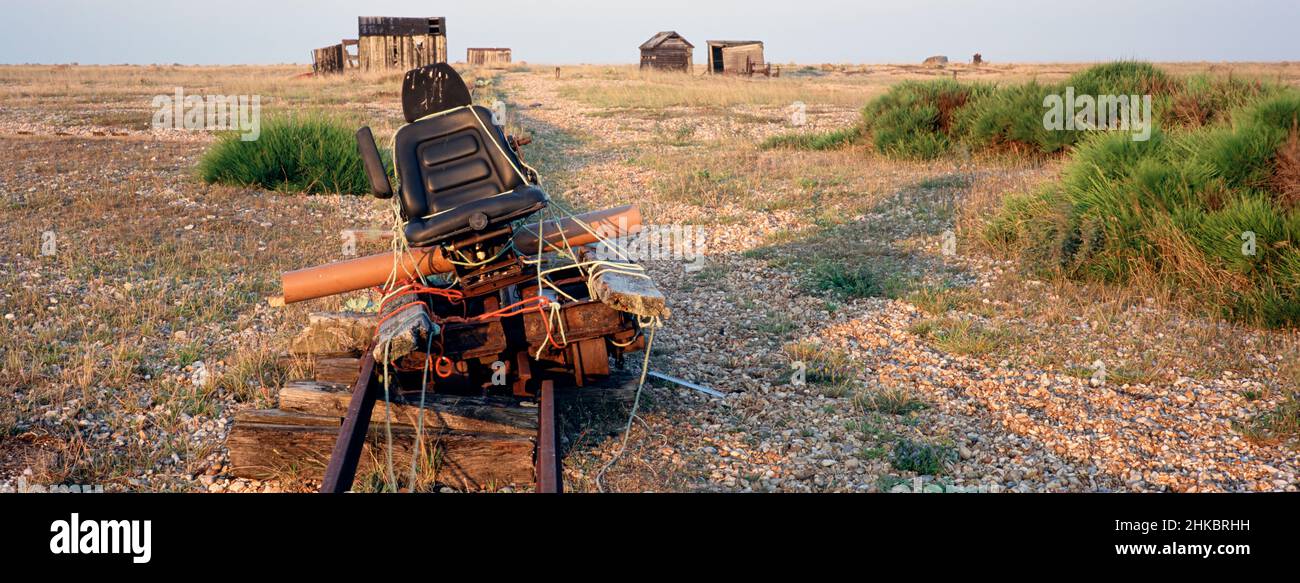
<point>1010,426</point>
<point>1011,419</point>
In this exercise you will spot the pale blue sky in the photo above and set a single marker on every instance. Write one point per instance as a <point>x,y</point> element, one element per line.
<point>608,31</point>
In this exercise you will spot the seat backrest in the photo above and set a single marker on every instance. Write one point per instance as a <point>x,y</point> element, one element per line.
<point>451,159</point>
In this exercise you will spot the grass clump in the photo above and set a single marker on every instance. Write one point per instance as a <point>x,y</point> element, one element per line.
<point>1206,100</point>
<point>832,140</point>
<point>251,374</point>
<point>923,458</point>
<point>962,336</point>
<point>938,300</point>
<point>1212,211</point>
<point>309,153</point>
<point>776,324</point>
<point>1123,78</point>
<point>830,368</point>
<point>919,119</point>
<point>852,282</point>
<point>1012,119</point>
<point>1280,424</point>
<point>889,400</point>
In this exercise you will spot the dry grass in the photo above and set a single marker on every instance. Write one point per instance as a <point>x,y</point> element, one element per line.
<point>98,386</point>
<point>622,86</point>
<point>657,90</point>
<point>1286,176</point>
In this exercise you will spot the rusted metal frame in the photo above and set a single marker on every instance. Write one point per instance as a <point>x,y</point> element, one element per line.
<point>550,477</point>
<point>523,373</point>
<point>582,320</point>
<point>588,358</point>
<point>474,340</point>
<point>342,468</point>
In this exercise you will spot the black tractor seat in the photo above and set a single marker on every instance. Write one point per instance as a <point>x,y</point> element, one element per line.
<point>459,175</point>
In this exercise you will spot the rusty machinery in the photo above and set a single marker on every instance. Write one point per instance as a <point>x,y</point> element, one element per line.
<point>484,299</point>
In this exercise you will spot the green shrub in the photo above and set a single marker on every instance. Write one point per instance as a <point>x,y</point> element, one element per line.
<point>1012,119</point>
<point>925,119</point>
<point>918,119</point>
<point>1123,78</point>
<point>1186,206</point>
<point>294,153</point>
<point>1208,100</point>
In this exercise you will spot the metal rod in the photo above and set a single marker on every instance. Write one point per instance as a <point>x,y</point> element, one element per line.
<point>550,480</point>
<point>687,384</point>
<point>342,468</point>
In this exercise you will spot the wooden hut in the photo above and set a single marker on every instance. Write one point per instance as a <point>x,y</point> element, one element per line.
<point>736,57</point>
<point>488,57</point>
<point>667,51</point>
<point>386,43</point>
<point>334,58</point>
<point>327,60</point>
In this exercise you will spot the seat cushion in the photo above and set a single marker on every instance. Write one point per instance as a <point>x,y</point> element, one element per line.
<point>496,209</point>
<point>453,159</point>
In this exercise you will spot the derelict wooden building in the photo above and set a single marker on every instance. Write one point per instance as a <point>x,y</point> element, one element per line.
<point>667,51</point>
<point>737,57</point>
<point>334,58</point>
<point>485,57</point>
<point>387,43</point>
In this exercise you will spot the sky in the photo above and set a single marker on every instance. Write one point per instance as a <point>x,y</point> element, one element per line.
<point>609,31</point>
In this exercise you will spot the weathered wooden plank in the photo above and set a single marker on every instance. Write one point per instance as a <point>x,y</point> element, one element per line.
<point>400,25</point>
<point>301,450</point>
<point>450,412</point>
<point>341,370</point>
<point>398,52</point>
<point>328,59</point>
<point>280,417</point>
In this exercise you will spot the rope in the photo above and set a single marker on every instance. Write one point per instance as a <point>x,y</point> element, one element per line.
<point>636,402</point>
<point>419,423</point>
<point>388,426</point>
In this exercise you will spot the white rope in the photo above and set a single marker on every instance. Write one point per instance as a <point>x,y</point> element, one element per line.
<point>636,402</point>
<point>388,426</point>
<point>419,422</point>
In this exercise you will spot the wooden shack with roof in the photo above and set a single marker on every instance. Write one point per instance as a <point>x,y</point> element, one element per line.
<point>667,51</point>
<point>487,57</point>
<point>736,57</point>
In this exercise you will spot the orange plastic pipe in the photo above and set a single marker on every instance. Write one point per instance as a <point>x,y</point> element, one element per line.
<point>372,270</point>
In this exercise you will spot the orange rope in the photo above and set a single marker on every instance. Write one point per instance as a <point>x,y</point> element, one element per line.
<point>437,367</point>
<point>519,307</point>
